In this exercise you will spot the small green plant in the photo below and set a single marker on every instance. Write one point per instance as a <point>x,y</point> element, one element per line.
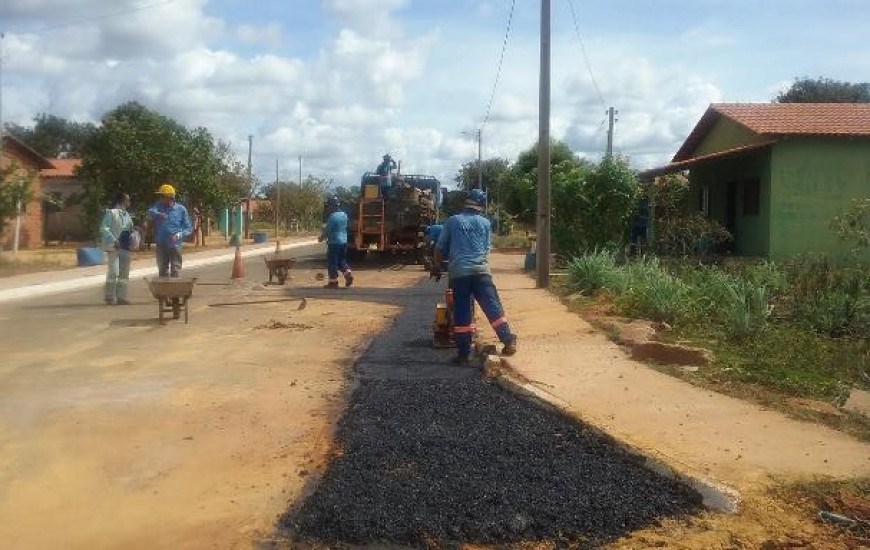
<point>655,294</point>
<point>591,272</point>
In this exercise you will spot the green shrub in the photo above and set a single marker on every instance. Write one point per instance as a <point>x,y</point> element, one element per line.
<point>829,300</point>
<point>651,292</point>
<point>591,272</point>
<point>746,310</point>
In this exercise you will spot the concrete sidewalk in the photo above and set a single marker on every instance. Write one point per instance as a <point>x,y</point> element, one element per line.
<point>50,282</point>
<point>696,431</point>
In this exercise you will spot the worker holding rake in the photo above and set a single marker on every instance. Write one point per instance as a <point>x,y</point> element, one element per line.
<point>465,244</point>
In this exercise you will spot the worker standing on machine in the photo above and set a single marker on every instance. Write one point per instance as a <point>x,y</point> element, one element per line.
<point>335,235</point>
<point>465,243</point>
<point>385,171</point>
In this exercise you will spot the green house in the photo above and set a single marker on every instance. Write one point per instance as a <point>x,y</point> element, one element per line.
<point>775,174</point>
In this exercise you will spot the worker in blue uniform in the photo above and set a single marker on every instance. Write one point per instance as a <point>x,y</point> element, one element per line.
<point>335,235</point>
<point>430,240</point>
<point>172,226</point>
<point>385,171</point>
<point>465,244</point>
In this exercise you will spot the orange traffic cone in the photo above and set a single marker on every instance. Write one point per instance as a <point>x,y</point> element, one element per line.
<point>238,265</point>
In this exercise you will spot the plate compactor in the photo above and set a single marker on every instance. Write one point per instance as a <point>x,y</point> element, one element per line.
<point>443,333</point>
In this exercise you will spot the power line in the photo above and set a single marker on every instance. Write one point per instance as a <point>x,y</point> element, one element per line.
<point>109,15</point>
<point>504,44</point>
<point>583,51</point>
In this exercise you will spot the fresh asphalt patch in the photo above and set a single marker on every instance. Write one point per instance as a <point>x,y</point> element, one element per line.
<point>452,458</point>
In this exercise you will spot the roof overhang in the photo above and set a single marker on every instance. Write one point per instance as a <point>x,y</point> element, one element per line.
<point>674,167</point>
<point>39,161</point>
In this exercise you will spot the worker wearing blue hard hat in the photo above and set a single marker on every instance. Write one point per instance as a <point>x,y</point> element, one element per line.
<point>465,244</point>
<point>335,235</point>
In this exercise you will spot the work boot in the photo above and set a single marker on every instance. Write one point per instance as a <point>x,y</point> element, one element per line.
<point>331,285</point>
<point>110,301</point>
<point>123,302</point>
<point>348,279</point>
<point>510,347</point>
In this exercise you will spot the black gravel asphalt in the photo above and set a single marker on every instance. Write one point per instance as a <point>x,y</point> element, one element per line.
<point>433,452</point>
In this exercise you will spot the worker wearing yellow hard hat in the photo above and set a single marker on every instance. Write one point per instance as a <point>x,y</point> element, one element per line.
<point>171,226</point>
<point>166,190</point>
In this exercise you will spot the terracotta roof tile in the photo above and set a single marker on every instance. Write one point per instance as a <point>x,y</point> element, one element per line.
<point>835,119</point>
<point>781,119</point>
<point>63,168</point>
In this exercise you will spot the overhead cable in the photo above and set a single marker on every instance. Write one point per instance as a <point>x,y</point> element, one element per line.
<point>504,44</point>
<point>583,52</point>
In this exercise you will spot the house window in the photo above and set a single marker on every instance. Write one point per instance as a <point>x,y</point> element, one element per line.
<point>704,200</point>
<point>751,196</point>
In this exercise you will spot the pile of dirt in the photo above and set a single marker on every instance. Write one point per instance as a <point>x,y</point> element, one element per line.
<point>460,460</point>
<point>280,325</point>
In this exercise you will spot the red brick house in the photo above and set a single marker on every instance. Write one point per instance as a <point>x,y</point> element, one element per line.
<point>30,162</point>
<point>62,193</point>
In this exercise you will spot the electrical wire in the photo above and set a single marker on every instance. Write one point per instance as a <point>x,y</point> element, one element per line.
<point>504,44</point>
<point>583,52</point>
<point>72,22</point>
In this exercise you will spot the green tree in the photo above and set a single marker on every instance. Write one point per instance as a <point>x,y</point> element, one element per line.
<point>14,191</point>
<point>592,205</point>
<point>825,90</point>
<point>494,171</point>
<point>53,136</point>
<point>347,195</point>
<point>519,186</point>
<point>299,202</point>
<point>136,149</point>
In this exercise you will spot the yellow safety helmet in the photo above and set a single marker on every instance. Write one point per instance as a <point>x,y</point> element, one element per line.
<point>166,189</point>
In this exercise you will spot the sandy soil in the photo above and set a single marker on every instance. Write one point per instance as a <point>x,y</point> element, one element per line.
<point>116,433</point>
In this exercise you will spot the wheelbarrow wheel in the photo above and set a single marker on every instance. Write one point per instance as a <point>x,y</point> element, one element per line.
<point>176,308</point>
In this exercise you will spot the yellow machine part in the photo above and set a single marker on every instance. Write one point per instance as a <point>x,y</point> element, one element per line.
<point>371,191</point>
<point>441,314</point>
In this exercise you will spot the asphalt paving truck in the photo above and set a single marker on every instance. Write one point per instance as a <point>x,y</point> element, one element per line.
<point>392,214</point>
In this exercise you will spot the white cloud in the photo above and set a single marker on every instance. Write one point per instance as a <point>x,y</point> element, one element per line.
<point>370,17</point>
<point>270,35</point>
<point>364,90</point>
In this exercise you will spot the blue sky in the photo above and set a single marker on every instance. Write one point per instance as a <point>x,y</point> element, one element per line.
<point>342,81</point>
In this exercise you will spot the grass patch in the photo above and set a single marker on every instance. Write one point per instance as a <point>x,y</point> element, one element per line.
<point>848,499</point>
<point>516,239</point>
<point>776,332</point>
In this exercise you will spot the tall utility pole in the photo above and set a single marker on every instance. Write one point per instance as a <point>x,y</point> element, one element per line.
<point>300,169</point>
<point>611,116</point>
<point>480,158</point>
<point>277,205</point>
<point>250,186</point>
<point>543,250</point>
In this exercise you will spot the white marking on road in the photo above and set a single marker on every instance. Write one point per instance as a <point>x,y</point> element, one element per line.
<point>97,280</point>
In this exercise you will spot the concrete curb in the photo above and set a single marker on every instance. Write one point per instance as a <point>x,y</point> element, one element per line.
<point>715,496</point>
<point>88,281</point>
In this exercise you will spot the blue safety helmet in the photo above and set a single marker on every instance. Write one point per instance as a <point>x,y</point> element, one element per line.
<point>333,201</point>
<point>476,199</point>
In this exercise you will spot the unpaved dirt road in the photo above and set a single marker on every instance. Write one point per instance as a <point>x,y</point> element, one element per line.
<point>118,433</point>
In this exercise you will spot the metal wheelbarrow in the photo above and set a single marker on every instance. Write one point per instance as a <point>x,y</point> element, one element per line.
<point>172,295</point>
<point>279,267</point>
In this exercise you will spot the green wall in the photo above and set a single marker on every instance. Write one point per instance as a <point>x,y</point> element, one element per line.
<point>726,134</point>
<point>751,233</point>
<point>813,181</point>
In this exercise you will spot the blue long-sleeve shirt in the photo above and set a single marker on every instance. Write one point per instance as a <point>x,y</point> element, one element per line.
<point>176,221</point>
<point>336,228</point>
<point>434,233</point>
<point>465,242</point>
